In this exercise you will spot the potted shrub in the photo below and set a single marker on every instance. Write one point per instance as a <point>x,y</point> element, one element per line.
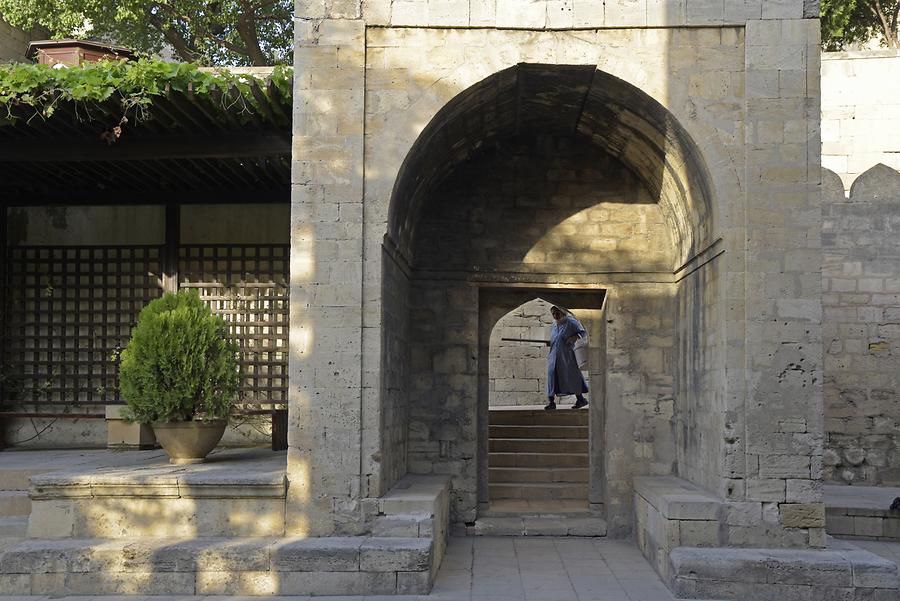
<point>179,374</point>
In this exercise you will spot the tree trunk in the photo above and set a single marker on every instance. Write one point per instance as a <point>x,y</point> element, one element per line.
<point>890,36</point>
<point>246,28</point>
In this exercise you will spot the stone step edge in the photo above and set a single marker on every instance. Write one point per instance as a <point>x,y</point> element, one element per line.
<point>539,484</point>
<point>60,487</point>
<point>843,568</point>
<point>584,526</point>
<point>219,554</point>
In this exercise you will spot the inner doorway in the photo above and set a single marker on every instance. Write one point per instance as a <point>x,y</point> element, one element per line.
<point>536,462</point>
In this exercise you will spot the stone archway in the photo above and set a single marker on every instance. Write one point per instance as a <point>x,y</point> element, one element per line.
<point>548,176</point>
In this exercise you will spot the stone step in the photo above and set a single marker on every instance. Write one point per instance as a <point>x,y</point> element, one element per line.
<point>532,491</point>
<point>163,501</point>
<point>538,445</point>
<point>17,479</point>
<point>14,503</point>
<point>538,460</point>
<point>560,417</point>
<point>219,566</point>
<point>404,525</point>
<point>14,526</point>
<point>540,525</point>
<point>554,432</point>
<point>526,474</point>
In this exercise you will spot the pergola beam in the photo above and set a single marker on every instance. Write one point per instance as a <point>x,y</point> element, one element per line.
<point>130,148</point>
<point>23,198</point>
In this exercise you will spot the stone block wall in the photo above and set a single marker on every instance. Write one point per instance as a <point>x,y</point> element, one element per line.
<point>394,414</point>
<point>705,456</point>
<point>861,299</point>
<point>541,213</point>
<point>860,111</point>
<point>742,82</point>
<point>518,370</point>
<point>551,205</point>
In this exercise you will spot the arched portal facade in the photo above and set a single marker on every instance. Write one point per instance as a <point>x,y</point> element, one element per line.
<point>448,165</point>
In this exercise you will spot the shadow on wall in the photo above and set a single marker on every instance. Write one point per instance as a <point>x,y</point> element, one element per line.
<point>549,110</point>
<point>861,327</point>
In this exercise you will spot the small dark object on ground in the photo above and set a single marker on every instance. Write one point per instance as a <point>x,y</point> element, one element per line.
<point>896,504</point>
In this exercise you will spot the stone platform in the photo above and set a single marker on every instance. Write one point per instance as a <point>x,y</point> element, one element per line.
<point>862,512</point>
<point>681,531</point>
<point>105,523</point>
<point>237,492</point>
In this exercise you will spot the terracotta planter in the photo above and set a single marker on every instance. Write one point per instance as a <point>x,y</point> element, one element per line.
<point>189,442</point>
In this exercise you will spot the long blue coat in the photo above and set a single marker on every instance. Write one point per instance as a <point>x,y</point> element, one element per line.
<point>563,375</point>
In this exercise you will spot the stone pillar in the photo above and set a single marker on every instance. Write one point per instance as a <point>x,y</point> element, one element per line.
<point>326,271</point>
<point>783,411</point>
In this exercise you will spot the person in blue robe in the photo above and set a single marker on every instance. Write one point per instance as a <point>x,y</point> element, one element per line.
<point>563,376</point>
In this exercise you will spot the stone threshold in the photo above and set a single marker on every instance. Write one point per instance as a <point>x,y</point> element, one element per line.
<point>568,524</point>
<point>218,566</point>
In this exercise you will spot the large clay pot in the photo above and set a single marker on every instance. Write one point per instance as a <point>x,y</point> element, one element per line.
<point>189,442</point>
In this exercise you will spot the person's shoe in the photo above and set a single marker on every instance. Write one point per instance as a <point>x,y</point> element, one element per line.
<point>580,403</point>
<point>550,406</point>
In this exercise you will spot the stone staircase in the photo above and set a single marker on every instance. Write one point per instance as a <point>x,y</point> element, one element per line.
<point>538,475</point>
<point>216,528</point>
<point>536,454</point>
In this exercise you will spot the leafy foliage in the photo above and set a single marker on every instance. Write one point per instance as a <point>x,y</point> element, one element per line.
<point>847,22</point>
<point>214,32</point>
<point>133,83</point>
<point>179,364</point>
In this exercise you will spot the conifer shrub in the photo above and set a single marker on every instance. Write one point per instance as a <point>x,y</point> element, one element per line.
<point>179,364</point>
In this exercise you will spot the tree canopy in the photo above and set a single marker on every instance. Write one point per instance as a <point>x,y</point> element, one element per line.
<point>214,32</point>
<point>846,22</point>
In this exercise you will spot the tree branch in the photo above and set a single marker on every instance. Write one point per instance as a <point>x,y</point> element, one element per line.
<point>886,29</point>
<point>203,31</point>
<point>172,36</point>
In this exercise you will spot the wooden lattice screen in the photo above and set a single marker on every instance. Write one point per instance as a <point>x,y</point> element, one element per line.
<point>69,310</point>
<point>248,285</point>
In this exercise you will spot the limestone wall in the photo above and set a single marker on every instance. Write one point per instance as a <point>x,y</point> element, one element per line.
<point>384,85</point>
<point>394,394</point>
<point>861,299</point>
<point>860,111</point>
<point>700,389</point>
<point>546,207</point>
<point>518,370</point>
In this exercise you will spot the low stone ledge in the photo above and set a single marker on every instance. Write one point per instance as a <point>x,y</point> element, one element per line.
<point>763,574</point>
<point>156,485</point>
<point>208,566</point>
<point>383,554</point>
<point>414,494</point>
<point>317,554</point>
<point>678,499</point>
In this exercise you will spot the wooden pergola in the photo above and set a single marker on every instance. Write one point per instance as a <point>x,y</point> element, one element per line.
<point>186,148</point>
